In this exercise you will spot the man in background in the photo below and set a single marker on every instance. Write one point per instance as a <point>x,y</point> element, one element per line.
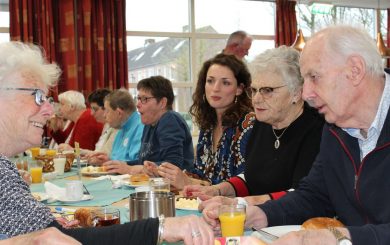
<point>238,44</point>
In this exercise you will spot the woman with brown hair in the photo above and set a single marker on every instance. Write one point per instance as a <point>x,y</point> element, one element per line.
<point>223,112</point>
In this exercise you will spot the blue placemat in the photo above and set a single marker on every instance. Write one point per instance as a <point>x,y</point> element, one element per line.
<point>101,190</point>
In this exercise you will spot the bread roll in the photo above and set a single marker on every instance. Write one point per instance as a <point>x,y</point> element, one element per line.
<point>139,178</point>
<point>321,223</point>
<point>84,216</point>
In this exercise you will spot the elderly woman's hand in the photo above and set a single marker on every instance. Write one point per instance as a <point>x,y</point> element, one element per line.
<point>210,215</point>
<point>56,123</point>
<point>64,147</point>
<point>174,174</point>
<point>220,200</point>
<point>97,158</point>
<point>121,167</point>
<point>191,229</point>
<point>200,191</point>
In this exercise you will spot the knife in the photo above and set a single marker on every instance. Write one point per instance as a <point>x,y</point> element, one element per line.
<point>77,153</point>
<point>267,235</point>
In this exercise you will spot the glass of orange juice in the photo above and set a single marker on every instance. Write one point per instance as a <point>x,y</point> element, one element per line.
<point>36,171</point>
<point>232,219</point>
<point>35,152</point>
<point>51,152</point>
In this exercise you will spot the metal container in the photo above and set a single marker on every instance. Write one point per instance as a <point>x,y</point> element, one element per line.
<point>151,204</point>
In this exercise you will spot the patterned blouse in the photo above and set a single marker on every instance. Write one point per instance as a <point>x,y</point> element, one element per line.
<point>19,212</point>
<point>229,158</point>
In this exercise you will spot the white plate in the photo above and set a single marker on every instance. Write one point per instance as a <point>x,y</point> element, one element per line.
<point>85,198</point>
<point>40,196</point>
<point>277,231</point>
<point>183,204</point>
<point>93,172</point>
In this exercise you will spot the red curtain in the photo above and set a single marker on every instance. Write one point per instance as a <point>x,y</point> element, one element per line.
<point>286,23</point>
<point>91,53</point>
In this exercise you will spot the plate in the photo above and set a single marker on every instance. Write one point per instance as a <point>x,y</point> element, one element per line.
<point>186,204</point>
<point>277,231</point>
<point>94,171</point>
<point>85,198</point>
<point>135,184</point>
<point>40,196</point>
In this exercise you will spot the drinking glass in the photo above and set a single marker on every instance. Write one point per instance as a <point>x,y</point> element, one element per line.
<point>232,219</point>
<point>106,217</point>
<point>36,171</point>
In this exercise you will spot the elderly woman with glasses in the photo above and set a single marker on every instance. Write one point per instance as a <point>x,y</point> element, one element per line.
<point>285,138</point>
<point>166,136</point>
<point>24,113</point>
<point>225,117</point>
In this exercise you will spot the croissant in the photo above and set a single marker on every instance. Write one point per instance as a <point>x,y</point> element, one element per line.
<point>84,216</point>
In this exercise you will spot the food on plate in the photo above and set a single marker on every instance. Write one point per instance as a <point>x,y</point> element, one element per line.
<point>92,169</point>
<point>321,223</point>
<point>139,178</point>
<point>84,216</point>
<point>186,203</point>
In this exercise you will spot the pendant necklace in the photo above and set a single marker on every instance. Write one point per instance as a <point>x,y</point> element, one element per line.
<point>277,141</point>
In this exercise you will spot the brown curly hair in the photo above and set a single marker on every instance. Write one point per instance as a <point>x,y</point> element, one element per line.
<point>204,115</point>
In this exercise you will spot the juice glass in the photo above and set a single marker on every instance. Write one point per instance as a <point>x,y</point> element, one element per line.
<point>51,152</point>
<point>36,171</point>
<point>232,219</point>
<point>35,152</point>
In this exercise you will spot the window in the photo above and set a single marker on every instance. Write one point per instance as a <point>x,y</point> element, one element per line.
<point>167,39</point>
<point>4,21</point>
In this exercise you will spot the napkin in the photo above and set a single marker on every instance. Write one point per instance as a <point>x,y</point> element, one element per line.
<point>53,191</point>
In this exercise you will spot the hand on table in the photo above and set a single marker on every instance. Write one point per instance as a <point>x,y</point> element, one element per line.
<point>191,229</point>
<point>26,176</point>
<point>220,200</point>
<point>115,166</point>
<point>174,174</point>
<point>97,158</point>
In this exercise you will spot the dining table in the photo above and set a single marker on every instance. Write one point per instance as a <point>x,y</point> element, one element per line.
<point>102,191</point>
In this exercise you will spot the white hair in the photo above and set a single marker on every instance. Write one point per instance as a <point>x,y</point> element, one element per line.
<point>17,56</point>
<point>344,40</point>
<point>283,60</point>
<point>73,98</point>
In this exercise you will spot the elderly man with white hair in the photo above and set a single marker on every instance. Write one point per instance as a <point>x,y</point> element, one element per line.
<point>345,81</point>
<point>86,129</point>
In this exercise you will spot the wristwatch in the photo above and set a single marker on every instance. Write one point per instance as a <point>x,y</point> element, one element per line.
<point>340,237</point>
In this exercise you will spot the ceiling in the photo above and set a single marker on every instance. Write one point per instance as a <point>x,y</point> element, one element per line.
<point>383,4</point>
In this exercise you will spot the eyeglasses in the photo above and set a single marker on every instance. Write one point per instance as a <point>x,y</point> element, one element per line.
<point>40,95</point>
<point>266,92</point>
<point>144,100</point>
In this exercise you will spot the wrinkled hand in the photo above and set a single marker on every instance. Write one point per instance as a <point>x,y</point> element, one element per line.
<point>151,168</point>
<point>203,192</point>
<point>307,237</point>
<point>210,215</point>
<point>47,236</point>
<point>56,123</point>
<point>181,228</point>
<point>115,166</point>
<point>176,176</point>
<point>64,147</point>
<point>97,158</point>
<point>220,200</point>
<point>67,223</point>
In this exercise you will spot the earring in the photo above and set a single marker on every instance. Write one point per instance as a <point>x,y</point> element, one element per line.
<point>235,101</point>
